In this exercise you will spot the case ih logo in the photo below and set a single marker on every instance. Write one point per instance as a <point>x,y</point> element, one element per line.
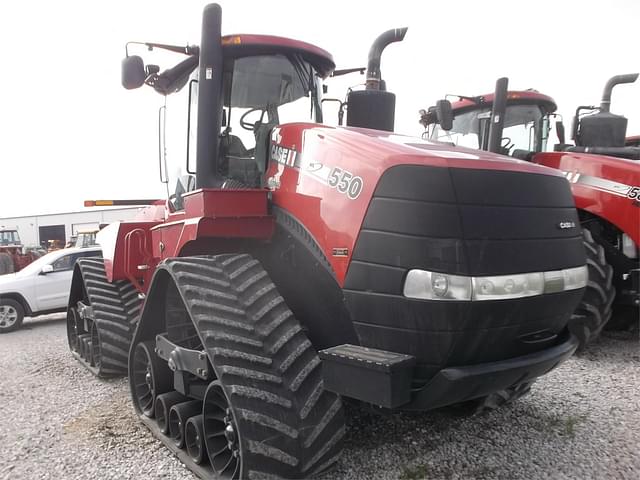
<point>565,225</point>
<point>284,156</point>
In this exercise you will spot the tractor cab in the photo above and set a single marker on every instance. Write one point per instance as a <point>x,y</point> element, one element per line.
<point>526,123</point>
<point>267,81</point>
<point>254,83</point>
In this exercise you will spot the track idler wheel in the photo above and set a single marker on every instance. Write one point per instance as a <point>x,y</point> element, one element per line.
<point>221,433</point>
<point>178,416</point>
<point>151,377</point>
<point>164,403</point>
<point>194,439</point>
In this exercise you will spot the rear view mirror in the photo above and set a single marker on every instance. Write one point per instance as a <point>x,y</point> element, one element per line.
<point>445,114</point>
<point>133,74</point>
<point>46,269</point>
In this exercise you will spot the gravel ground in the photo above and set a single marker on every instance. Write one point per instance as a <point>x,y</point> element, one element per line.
<point>582,421</point>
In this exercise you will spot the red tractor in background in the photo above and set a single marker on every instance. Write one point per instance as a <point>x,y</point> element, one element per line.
<point>302,264</point>
<point>603,171</point>
<point>12,258</point>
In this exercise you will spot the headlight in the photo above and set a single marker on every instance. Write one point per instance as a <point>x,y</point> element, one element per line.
<point>437,286</point>
<point>442,286</point>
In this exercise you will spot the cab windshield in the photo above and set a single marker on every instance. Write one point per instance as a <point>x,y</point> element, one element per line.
<point>525,128</point>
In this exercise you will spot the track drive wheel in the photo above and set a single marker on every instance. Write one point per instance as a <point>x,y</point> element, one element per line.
<point>267,414</point>
<point>594,310</point>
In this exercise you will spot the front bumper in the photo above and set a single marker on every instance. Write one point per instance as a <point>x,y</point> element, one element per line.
<point>458,384</point>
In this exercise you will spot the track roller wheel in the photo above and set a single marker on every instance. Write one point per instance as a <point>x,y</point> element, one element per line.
<point>178,416</point>
<point>74,329</point>
<point>94,352</point>
<point>84,341</point>
<point>164,403</point>
<point>151,377</point>
<point>194,439</point>
<point>221,433</point>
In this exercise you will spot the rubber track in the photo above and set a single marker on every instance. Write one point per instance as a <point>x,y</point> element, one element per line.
<point>595,308</point>
<point>116,308</point>
<point>289,426</point>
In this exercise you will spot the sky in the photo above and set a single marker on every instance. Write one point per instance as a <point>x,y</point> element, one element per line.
<point>70,132</point>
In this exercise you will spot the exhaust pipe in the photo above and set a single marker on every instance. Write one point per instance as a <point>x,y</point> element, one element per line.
<point>605,103</point>
<point>374,75</point>
<point>498,112</point>
<point>209,99</point>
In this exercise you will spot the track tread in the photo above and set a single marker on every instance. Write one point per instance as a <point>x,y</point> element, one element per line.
<point>116,308</point>
<point>291,426</point>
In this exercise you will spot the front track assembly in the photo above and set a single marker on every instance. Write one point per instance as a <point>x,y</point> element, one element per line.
<point>233,387</point>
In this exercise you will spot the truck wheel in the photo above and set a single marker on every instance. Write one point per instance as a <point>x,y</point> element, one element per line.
<point>594,310</point>
<point>266,415</point>
<point>6,263</point>
<point>11,315</point>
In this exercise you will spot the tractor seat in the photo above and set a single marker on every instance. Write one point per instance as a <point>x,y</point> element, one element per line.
<point>525,155</point>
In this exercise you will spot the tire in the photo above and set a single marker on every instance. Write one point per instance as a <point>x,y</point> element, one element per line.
<point>11,315</point>
<point>6,263</point>
<point>287,425</point>
<point>115,309</point>
<point>594,310</point>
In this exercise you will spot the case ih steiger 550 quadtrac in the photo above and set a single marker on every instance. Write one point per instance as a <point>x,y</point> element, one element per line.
<point>308,263</point>
<point>604,174</point>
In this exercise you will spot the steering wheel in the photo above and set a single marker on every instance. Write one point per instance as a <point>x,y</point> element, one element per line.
<point>506,145</point>
<point>249,125</point>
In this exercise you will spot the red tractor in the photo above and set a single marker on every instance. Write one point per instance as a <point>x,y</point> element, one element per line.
<point>12,258</point>
<point>603,171</point>
<point>304,264</point>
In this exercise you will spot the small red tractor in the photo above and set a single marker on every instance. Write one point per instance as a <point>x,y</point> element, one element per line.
<point>603,170</point>
<point>302,264</point>
<point>12,258</point>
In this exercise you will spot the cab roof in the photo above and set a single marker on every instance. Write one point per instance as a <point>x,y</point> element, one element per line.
<point>523,97</point>
<point>249,44</point>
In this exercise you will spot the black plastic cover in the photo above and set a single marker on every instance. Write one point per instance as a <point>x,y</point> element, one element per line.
<point>602,129</point>
<point>373,109</point>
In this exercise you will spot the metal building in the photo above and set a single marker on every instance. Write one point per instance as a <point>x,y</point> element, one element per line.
<point>39,229</point>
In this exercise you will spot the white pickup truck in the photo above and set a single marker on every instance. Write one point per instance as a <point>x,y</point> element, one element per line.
<point>39,288</point>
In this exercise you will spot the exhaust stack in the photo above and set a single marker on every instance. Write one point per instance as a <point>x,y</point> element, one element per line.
<point>605,103</point>
<point>209,99</point>
<point>374,75</point>
<point>498,112</point>
<point>374,107</point>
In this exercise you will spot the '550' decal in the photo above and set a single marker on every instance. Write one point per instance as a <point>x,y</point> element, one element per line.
<point>345,182</point>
